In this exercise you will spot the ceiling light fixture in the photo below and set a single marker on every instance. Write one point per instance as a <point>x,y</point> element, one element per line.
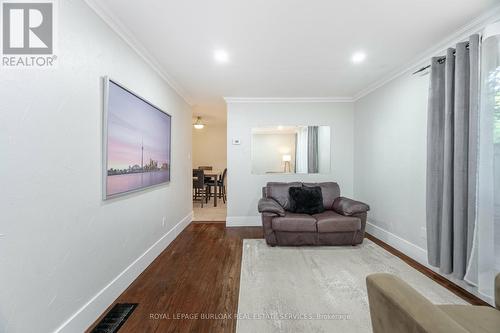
<point>221,56</point>
<point>198,124</point>
<point>358,57</point>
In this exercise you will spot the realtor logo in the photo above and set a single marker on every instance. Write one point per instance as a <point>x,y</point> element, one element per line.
<point>28,34</point>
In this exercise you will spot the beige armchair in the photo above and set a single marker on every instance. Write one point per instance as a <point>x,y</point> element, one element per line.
<point>395,307</point>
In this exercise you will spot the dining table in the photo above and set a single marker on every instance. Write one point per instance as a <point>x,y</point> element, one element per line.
<point>214,175</point>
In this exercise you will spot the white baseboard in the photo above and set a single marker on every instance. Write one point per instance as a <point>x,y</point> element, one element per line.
<point>88,313</point>
<point>243,221</point>
<point>411,250</point>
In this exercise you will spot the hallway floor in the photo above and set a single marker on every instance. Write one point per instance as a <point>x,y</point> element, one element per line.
<point>209,213</point>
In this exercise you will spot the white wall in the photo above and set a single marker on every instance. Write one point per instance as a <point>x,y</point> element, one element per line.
<point>244,189</point>
<point>209,146</point>
<point>62,245</point>
<point>390,156</point>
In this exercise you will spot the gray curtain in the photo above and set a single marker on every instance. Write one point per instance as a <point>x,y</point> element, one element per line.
<point>312,149</point>
<point>452,130</point>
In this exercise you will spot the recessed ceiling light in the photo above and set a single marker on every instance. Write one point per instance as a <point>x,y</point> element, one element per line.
<point>358,57</point>
<point>221,56</point>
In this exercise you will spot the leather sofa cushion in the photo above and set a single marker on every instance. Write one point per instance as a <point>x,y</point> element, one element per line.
<point>294,222</point>
<point>279,192</point>
<point>329,221</point>
<point>329,190</point>
<point>479,319</point>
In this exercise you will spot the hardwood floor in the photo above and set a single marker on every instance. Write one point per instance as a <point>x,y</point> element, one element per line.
<point>199,275</point>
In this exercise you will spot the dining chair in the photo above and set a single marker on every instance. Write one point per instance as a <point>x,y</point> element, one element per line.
<point>206,168</point>
<point>221,184</point>
<point>200,188</point>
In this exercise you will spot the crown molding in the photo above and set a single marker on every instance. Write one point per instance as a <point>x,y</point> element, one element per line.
<point>116,25</point>
<point>288,99</point>
<point>423,59</point>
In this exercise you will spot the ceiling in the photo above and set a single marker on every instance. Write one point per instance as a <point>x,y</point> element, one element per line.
<point>285,48</point>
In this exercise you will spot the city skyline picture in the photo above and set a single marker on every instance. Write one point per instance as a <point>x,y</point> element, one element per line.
<point>137,142</point>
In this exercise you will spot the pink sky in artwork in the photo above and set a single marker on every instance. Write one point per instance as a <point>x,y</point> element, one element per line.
<point>133,123</point>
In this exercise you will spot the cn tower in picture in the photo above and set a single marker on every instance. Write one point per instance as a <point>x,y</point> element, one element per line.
<point>142,155</point>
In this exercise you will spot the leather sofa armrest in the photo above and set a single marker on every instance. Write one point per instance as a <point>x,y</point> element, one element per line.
<point>268,205</point>
<point>348,207</point>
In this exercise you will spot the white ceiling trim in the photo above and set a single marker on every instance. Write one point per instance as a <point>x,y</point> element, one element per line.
<point>116,25</point>
<point>423,59</point>
<point>288,100</point>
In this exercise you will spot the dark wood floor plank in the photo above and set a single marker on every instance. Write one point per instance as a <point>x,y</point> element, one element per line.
<point>199,273</point>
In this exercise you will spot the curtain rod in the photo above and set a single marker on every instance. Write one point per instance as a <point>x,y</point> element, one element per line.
<point>440,60</point>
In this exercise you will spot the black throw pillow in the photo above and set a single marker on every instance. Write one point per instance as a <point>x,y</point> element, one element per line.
<point>306,200</point>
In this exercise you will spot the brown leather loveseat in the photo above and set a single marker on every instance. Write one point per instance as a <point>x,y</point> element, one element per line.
<point>342,222</point>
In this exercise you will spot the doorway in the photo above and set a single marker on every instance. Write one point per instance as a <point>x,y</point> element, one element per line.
<point>210,174</point>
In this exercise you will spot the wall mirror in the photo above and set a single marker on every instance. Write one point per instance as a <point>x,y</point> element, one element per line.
<point>291,149</point>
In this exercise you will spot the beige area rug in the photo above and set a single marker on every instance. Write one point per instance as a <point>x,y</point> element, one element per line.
<point>318,289</point>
